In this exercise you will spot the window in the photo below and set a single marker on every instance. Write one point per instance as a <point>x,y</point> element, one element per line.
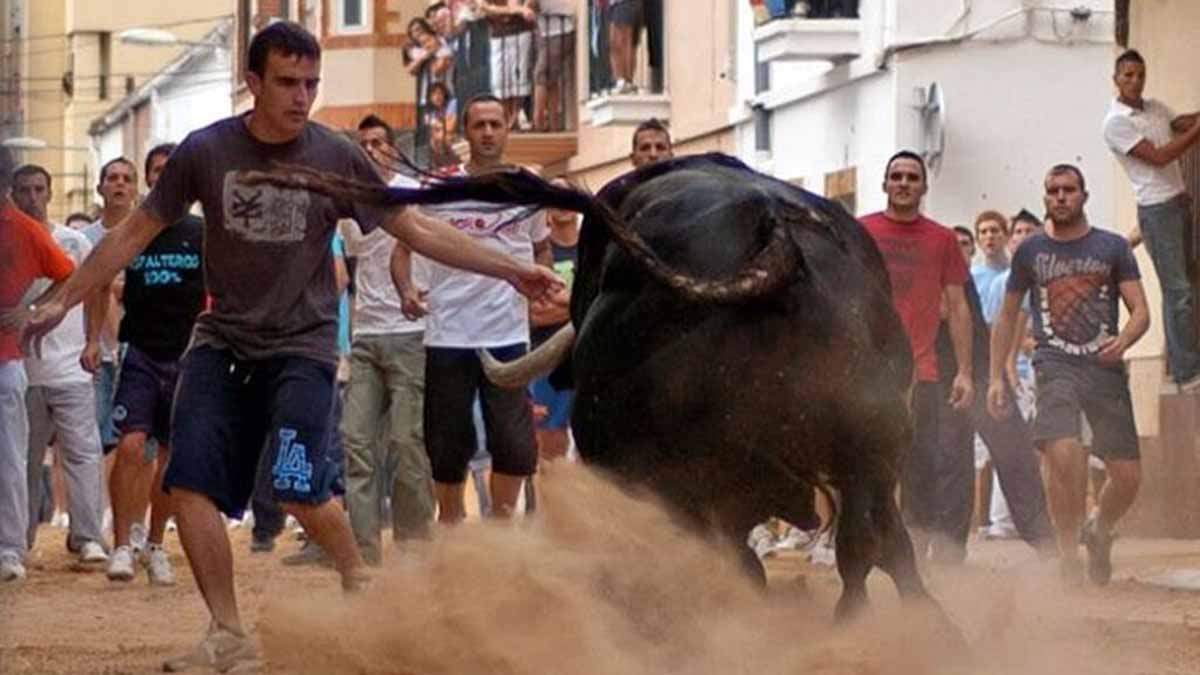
<point>353,16</point>
<point>762,129</point>
<point>105,63</point>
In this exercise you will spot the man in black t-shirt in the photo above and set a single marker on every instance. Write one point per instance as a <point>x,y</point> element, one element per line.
<point>164,292</point>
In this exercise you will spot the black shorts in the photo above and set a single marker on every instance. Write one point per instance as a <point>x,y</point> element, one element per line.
<point>453,378</point>
<point>627,13</point>
<point>228,411</point>
<point>1066,389</point>
<point>144,395</point>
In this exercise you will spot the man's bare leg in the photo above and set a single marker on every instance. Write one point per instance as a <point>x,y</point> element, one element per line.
<point>129,485</point>
<point>328,526</point>
<point>1120,488</point>
<point>1066,495</point>
<point>206,543</point>
<point>160,502</point>
<point>505,490</point>
<point>450,496</point>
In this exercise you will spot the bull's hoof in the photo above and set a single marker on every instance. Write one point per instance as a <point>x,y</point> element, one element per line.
<point>849,607</point>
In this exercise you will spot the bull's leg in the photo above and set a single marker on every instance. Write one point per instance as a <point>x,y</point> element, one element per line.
<point>898,558</point>
<point>857,549</point>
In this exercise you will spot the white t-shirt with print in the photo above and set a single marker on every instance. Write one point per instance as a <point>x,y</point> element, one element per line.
<point>377,307</point>
<point>1124,128</point>
<point>472,310</point>
<point>59,364</point>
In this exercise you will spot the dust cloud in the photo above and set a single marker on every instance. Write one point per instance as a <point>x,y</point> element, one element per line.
<point>600,583</point>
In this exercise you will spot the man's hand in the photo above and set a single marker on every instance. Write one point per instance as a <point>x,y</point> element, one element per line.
<point>536,282</point>
<point>413,304</point>
<point>1112,350</point>
<point>997,400</point>
<point>90,359</point>
<point>34,323</point>
<point>962,392</point>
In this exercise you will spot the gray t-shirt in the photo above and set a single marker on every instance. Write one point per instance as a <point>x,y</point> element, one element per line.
<point>1075,287</point>
<point>267,254</point>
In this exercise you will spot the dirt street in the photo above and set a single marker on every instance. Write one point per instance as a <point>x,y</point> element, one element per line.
<point>1014,616</point>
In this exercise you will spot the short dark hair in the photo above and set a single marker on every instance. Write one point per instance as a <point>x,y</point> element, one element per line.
<point>486,97</point>
<point>118,160</point>
<point>1027,216</point>
<point>1060,169</point>
<point>6,165</point>
<point>1129,56</point>
<point>160,149</point>
<point>32,170</point>
<point>286,38</point>
<point>438,85</point>
<point>652,124</point>
<point>906,154</point>
<point>419,21</point>
<point>78,215</point>
<point>433,8</point>
<point>964,231</point>
<point>373,121</point>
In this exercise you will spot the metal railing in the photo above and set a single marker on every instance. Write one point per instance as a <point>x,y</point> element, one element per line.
<point>531,68</point>
<point>625,47</point>
<point>771,10</point>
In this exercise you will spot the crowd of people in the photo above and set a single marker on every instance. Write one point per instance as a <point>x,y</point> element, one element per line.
<point>202,356</point>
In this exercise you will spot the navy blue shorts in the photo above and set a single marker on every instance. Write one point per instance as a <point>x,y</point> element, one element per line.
<point>228,411</point>
<point>144,395</point>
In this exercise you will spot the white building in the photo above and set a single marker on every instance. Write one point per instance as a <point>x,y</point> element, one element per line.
<point>192,91</point>
<point>1022,86</point>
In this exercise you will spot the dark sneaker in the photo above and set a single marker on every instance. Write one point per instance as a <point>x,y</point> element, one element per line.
<point>1099,548</point>
<point>262,544</point>
<point>309,554</point>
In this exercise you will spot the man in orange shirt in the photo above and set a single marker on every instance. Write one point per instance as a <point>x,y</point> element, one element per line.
<point>27,252</point>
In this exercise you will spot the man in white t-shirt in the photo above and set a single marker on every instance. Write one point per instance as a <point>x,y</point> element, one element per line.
<point>1148,139</point>
<point>60,399</point>
<point>387,381</point>
<point>466,312</point>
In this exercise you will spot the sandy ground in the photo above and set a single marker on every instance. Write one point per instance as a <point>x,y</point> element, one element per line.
<point>1009,607</point>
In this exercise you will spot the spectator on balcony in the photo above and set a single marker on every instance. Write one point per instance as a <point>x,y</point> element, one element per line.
<point>512,24</point>
<point>555,63</point>
<point>625,20</point>
<point>441,109</point>
<point>427,57</point>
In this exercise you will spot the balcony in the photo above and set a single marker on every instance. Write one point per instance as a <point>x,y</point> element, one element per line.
<point>818,30</point>
<point>531,71</point>
<point>626,77</point>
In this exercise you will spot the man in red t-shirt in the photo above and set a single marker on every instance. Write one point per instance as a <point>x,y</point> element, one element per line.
<point>27,252</point>
<point>926,268</point>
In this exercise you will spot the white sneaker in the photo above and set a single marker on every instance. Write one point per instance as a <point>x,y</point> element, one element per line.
<point>120,564</point>
<point>61,520</point>
<point>11,569</point>
<point>92,553</point>
<point>158,566</point>
<point>220,650</point>
<point>137,537</point>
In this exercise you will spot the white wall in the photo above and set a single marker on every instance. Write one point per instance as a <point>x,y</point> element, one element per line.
<point>193,99</point>
<point>1013,110</point>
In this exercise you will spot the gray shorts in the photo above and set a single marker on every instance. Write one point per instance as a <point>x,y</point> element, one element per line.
<point>1066,389</point>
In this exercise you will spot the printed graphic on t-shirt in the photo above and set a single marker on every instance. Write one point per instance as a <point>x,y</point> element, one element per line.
<point>165,269</point>
<point>904,256</point>
<point>1075,296</point>
<point>265,213</point>
<point>565,269</point>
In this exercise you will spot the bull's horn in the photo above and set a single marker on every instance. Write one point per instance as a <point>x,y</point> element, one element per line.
<point>538,363</point>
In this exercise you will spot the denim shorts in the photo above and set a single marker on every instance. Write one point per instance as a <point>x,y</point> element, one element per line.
<point>1066,389</point>
<point>144,395</point>
<point>229,411</point>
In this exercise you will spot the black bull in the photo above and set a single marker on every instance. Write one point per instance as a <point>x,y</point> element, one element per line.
<point>737,347</point>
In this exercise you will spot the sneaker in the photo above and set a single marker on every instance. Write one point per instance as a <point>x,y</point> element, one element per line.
<point>221,650</point>
<point>11,569</point>
<point>1003,532</point>
<point>138,534</point>
<point>261,544</point>
<point>92,553</point>
<point>1099,548</point>
<point>158,566</point>
<point>120,564</point>
<point>1190,385</point>
<point>309,554</point>
<point>61,520</point>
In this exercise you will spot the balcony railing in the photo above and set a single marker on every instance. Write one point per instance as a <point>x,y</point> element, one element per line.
<point>817,30</point>
<point>530,67</point>
<point>771,10</point>
<point>626,76</point>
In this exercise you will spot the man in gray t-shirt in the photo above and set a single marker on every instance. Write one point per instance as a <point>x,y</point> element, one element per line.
<point>259,374</point>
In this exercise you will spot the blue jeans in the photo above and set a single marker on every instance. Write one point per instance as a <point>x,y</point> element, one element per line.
<point>1165,231</point>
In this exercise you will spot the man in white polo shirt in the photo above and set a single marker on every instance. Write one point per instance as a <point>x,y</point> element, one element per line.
<point>1148,139</point>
